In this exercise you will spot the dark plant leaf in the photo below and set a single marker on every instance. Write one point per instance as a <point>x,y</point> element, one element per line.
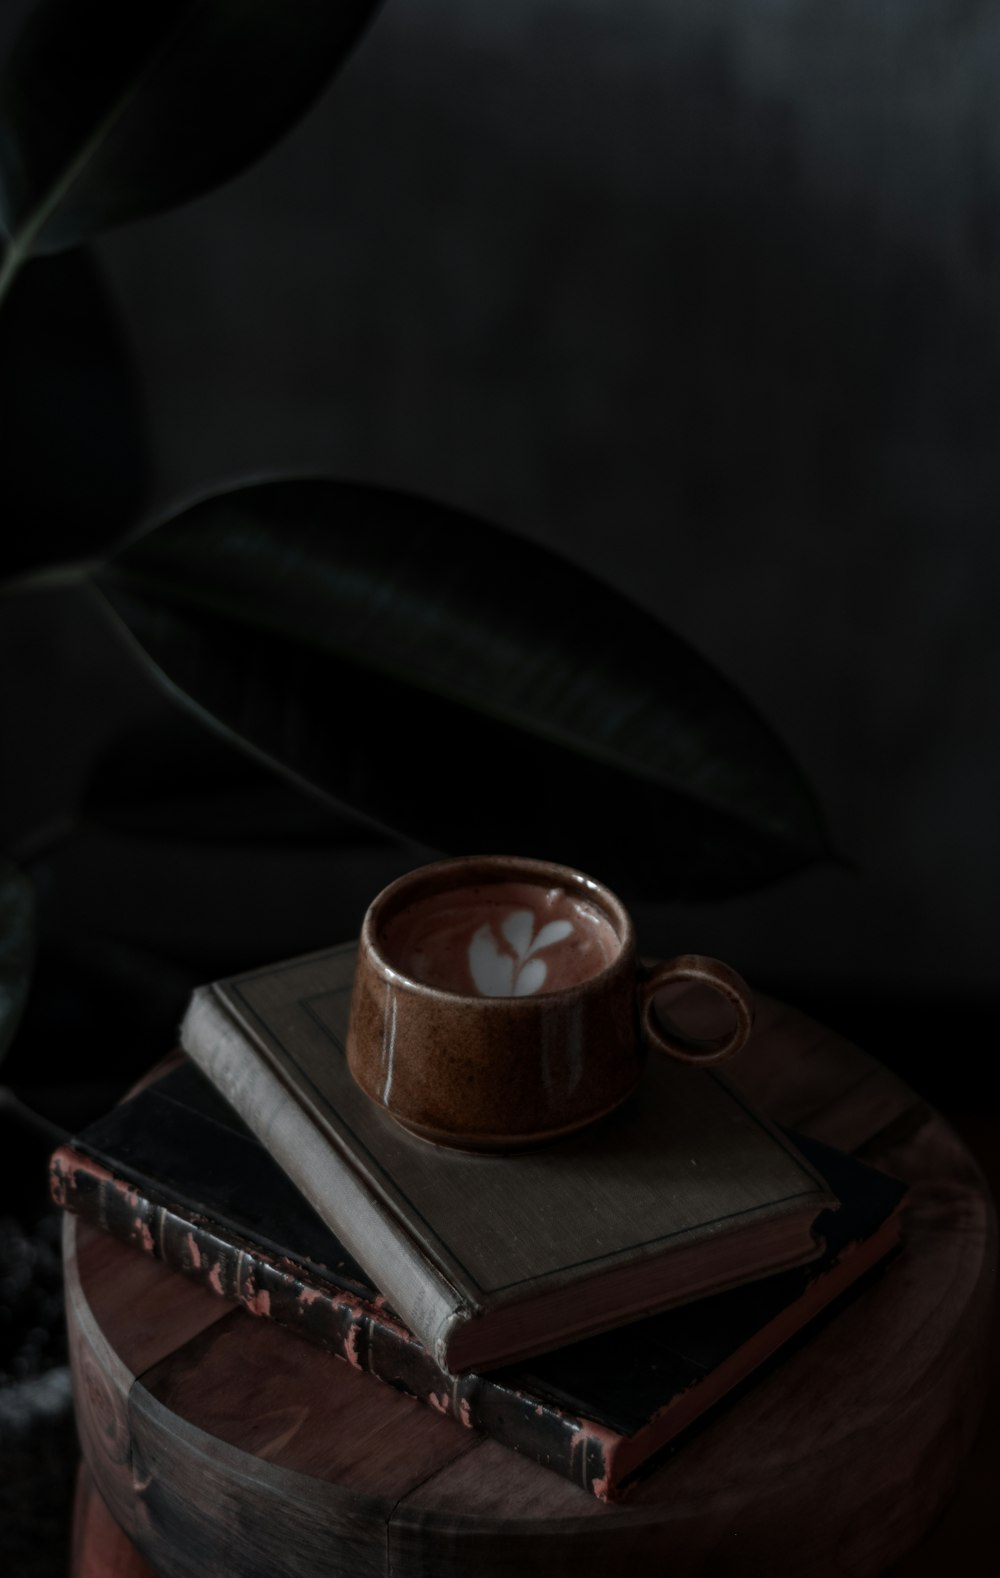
<point>75,466</point>
<point>17,948</point>
<point>110,110</point>
<point>166,779</point>
<point>469,689</point>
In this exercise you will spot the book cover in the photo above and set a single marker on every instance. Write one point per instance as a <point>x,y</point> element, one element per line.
<point>489,1259</point>
<point>174,1172</point>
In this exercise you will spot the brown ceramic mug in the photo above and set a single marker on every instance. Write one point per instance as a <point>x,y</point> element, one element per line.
<point>498,1003</point>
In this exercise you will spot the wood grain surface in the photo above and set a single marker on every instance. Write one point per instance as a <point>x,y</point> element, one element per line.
<point>99,1549</point>
<point>222,1445</point>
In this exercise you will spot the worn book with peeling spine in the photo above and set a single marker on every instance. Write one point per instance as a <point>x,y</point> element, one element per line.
<point>175,1173</point>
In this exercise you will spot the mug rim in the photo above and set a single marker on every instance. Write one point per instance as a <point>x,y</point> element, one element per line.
<point>505,867</point>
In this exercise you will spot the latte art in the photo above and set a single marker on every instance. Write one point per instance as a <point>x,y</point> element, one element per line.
<point>516,971</point>
<point>504,939</point>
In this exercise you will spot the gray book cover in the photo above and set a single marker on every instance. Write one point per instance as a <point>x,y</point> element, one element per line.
<point>684,1190</point>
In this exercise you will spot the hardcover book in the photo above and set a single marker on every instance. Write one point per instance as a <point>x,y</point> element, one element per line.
<point>175,1173</point>
<point>490,1259</point>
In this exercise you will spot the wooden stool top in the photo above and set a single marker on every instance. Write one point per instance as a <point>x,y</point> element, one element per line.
<point>220,1443</point>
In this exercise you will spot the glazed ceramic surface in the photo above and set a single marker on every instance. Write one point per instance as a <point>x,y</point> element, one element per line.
<point>498,1002</point>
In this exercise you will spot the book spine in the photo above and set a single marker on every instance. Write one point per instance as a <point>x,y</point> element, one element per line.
<point>242,1073</point>
<point>358,1332</point>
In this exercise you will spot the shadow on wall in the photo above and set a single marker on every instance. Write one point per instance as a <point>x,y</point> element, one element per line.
<point>701,296</point>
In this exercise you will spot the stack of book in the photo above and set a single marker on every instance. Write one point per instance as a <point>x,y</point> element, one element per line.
<point>584,1304</point>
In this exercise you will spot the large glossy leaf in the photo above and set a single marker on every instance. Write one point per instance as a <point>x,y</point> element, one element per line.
<point>469,689</point>
<point>165,779</point>
<point>17,948</point>
<point>75,465</point>
<point>113,109</point>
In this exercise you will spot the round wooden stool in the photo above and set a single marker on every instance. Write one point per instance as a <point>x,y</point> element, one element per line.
<point>222,1445</point>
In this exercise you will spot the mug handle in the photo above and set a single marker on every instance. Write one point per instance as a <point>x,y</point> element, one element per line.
<point>700,971</point>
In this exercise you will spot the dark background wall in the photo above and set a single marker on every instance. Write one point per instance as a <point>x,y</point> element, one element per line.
<point>703,295</point>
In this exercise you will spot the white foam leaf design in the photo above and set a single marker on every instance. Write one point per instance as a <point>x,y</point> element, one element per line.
<point>517,927</point>
<point>555,931</point>
<point>530,977</point>
<point>500,974</point>
<point>492,971</point>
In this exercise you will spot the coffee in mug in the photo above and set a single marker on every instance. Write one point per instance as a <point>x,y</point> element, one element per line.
<point>501,939</point>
